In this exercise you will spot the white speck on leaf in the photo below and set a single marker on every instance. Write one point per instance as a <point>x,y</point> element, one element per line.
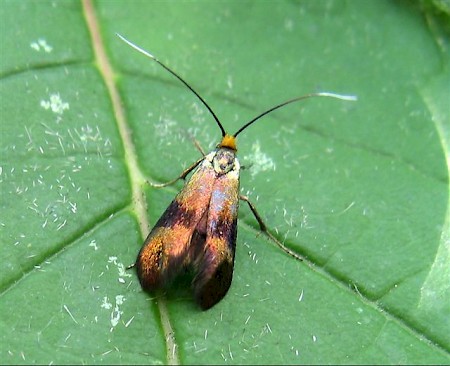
<point>106,304</point>
<point>230,82</point>
<point>93,244</point>
<point>259,161</point>
<point>120,299</point>
<point>129,322</point>
<point>112,259</point>
<point>117,313</point>
<point>70,314</point>
<point>55,103</point>
<point>122,271</point>
<point>164,127</point>
<point>41,44</point>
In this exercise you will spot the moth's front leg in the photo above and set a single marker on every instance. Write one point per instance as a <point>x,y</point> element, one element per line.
<point>183,175</point>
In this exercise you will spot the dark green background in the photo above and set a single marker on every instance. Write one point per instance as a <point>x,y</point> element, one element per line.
<point>359,188</point>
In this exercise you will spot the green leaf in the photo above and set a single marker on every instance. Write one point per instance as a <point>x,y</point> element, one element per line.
<point>360,189</point>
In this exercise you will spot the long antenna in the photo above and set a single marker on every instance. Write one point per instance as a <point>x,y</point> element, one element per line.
<point>137,48</point>
<point>324,94</point>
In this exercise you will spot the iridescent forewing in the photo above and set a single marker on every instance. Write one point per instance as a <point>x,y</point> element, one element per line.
<point>164,251</point>
<point>214,264</point>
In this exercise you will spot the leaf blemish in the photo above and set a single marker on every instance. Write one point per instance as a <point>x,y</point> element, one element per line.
<point>55,104</point>
<point>116,313</point>
<point>261,162</point>
<point>93,244</point>
<point>41,44</point>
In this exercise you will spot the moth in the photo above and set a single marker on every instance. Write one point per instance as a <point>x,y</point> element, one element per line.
<point>199,228</point>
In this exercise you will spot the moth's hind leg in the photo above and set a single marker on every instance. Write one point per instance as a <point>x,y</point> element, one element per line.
<point>263,228</point>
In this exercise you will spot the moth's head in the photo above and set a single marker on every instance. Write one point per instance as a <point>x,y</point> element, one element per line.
<point>225,160</point>
<point>228,141</point>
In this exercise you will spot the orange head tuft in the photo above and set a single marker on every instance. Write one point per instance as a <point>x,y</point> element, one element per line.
<point>229,142</point>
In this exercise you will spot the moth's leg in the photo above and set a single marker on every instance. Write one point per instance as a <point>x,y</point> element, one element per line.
<point>197,145</point>
<point>182,175</point>
<point>264,229</point>
<point>188,170</point>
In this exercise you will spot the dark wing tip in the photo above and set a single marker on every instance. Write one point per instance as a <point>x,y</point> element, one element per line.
<point>210,289</point>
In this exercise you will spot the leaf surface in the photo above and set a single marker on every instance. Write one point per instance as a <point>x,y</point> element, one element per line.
<point>360,188</point>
